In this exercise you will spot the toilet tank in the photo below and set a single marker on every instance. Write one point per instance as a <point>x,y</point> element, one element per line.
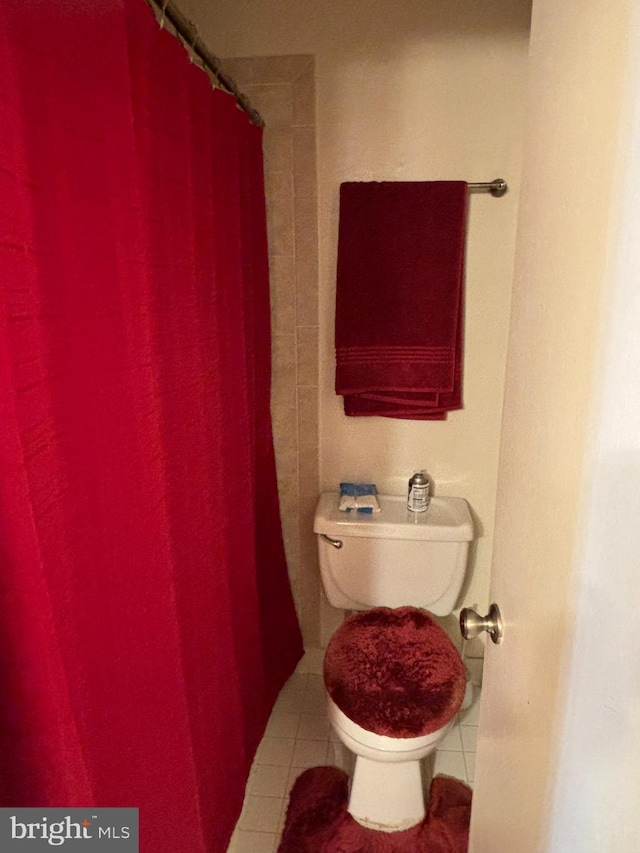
<point>395,557</point>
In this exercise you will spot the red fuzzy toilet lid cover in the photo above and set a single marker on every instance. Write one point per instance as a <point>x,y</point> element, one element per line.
<point>394,672</point>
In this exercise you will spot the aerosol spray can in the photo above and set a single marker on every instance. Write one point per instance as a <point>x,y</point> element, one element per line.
<point>418,500</point>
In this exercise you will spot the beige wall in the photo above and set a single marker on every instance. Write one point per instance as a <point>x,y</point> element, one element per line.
<point>410,91</point>
<point>282,89</point>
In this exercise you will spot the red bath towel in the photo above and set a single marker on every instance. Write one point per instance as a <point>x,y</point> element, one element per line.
<point>399,301</point>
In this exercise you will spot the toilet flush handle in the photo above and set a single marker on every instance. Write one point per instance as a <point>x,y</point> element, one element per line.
<point>337,543</point>
<point>472,624</point>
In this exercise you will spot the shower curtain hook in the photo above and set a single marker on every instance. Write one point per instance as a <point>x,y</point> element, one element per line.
<point>163,13</point>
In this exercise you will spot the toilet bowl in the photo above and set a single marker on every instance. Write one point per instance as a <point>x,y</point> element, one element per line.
<point>394,679</point>
<point>394,683</point>
<point>387,786</point>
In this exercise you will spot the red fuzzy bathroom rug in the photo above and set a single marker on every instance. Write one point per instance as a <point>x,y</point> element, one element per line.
<point>318,821</point>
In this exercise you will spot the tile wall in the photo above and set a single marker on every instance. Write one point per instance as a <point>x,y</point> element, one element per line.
<point>282,89</point>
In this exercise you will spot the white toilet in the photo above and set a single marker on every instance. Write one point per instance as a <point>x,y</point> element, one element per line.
<point>394,680</point>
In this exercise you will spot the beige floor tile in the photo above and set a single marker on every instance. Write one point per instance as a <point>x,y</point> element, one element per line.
<point>450,763</point>
<point>269,780</point>
<point>254,842</point>
<point>470,761</point>
<point>283,724</point>
<point>313,727</point>
<point>469,738</point>
<point>452,739</point>
<point>275,750</point>
<point>260,814</point>
<point>309,753</point>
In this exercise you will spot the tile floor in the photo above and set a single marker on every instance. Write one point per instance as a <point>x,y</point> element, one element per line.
<point>299,736</point>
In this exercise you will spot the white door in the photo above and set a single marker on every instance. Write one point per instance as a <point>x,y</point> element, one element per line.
<point>559,745</point>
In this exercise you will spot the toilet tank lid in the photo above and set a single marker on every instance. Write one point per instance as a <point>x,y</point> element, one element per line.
<point>447,520</point>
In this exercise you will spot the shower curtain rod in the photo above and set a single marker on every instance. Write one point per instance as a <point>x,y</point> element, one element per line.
<point>497,187</point>
<point>166,10</point>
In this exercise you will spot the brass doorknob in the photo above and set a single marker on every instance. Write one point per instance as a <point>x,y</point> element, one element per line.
<point>472,624</point>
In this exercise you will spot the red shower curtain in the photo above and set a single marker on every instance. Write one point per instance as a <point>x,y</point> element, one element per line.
<point>146,621</point>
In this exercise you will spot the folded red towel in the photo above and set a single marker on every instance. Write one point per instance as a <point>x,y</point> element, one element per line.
<point>399,301</point>
<point>357,406</point>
